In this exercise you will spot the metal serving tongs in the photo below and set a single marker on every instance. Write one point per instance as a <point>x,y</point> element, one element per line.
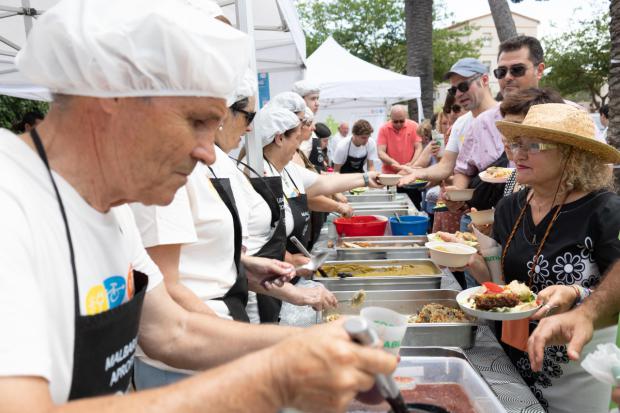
<point>315,260</point>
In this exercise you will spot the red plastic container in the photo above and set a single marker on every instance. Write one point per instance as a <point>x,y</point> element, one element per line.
<point>360,226</point>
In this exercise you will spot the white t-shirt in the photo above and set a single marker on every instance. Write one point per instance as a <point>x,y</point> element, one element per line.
<point>294,183</point>
<point>459,131</point>
<point>200,221</point>
<point>36,285</point>
<point>343,150</point>
<point>332,144</point>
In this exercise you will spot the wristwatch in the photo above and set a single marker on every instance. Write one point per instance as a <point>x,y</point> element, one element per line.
<point>366,178</point>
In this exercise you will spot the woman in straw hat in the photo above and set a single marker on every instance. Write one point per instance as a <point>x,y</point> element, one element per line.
<point>558,235</point>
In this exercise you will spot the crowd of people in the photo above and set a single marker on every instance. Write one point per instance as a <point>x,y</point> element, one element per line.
<point>133,238</point>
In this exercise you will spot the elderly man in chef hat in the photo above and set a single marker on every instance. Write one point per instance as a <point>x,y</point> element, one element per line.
<point>140,89</point>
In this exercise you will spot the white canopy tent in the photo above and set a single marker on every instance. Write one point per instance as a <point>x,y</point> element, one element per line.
<point>280,47</point>
<point>350,83</point>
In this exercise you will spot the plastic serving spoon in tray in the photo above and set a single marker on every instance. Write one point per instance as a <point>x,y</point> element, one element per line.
<point>315,260</point>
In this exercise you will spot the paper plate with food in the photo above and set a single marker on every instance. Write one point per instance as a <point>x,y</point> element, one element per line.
<point>496,174</point>
<point>440,207</point>
<point>466,238</point>
<point>491,301</point>
<point>357,191</point>
<point>418,183</point>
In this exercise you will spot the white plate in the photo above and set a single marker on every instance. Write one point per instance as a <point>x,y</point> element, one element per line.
<point>464,295</point>
<point>486,178</point>
<point>389,179</point>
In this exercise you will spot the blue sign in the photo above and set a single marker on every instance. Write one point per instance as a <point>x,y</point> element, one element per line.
<point>263,89</point>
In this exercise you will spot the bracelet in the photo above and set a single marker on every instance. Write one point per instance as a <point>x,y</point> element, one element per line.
<point>577,295</point>
<point>366,179</point>
<point>582,294</point>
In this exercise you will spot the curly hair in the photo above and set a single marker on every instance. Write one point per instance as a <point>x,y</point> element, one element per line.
<point>584,171</point>
<point>362,128</point>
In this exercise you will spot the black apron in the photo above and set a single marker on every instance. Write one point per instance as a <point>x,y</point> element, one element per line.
<point>270,189</point>
<point>105,343</point>
<point>237,297</point>
<point>301,219</point>
<point>316,156</point>
<point>353,164</point>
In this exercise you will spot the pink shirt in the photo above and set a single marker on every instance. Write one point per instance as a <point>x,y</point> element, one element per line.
<point>400,145</point>
<point>483,144</point>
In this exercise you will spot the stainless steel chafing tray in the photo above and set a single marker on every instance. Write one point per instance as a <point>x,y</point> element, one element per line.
<point>384,212</point>
<point>370,197</point>
<point>362,206</point>
<point>384,247</point>
<point>461,335</point>
<point>397,282</point>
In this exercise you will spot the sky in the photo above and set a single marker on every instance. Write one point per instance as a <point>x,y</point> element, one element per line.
<point>558,13</point>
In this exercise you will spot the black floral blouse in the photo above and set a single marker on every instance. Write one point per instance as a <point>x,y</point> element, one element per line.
<point>582,245</point>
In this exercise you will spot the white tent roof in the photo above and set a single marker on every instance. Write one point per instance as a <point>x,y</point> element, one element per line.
<point>279,39</point>
<point>347,80</point>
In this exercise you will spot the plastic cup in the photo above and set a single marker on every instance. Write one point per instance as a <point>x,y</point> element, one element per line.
<point>389,325</point>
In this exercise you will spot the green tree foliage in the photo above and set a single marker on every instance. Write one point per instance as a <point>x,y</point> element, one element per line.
<point>374,30</point>
<point>13,109</point>
<point>578,61</point>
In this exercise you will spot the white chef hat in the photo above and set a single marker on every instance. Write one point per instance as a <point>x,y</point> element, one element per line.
<point>289,100</point>
<point>248,87</point>
<point>305,87</point>
<point>119,48</point>
<point>272,120</point>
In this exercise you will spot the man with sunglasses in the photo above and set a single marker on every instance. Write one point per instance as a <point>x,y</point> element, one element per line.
<point>398,142</point>
<point>468,78</point>
<point>519,66</point>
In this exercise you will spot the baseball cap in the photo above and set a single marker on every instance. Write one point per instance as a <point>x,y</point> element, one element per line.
<point>467,67</point>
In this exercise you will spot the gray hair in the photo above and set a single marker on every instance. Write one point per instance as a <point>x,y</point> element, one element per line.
<point>397,108</point>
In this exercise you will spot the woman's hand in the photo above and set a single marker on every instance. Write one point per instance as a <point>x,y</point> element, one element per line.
<point>486,229</point>
<point>556,299</point>
<point>267,272</point>
<point>345,209</point>
<point>372,180</point>
<point>318,297</point>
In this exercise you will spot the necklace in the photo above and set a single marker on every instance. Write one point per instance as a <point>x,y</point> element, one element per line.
<point>542,243</point>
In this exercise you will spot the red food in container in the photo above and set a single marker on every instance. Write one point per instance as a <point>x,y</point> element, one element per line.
<point>361,226</point>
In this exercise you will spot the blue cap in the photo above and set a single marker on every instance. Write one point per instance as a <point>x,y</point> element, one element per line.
<point>467,67</point>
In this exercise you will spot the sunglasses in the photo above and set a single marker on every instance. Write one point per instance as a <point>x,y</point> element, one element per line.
<point>463,87</point>
<point>517,70</point>
<point>531,147</point>
<point>249,116</point>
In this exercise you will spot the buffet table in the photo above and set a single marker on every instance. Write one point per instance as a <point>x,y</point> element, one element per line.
<point>488,357</point>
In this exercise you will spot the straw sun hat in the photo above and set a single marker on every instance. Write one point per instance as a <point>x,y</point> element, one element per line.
<point>561,123</point>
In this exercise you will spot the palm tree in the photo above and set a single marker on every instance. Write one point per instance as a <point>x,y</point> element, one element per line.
<point>502,17</point>
<point>419,33</point>
<point>613,133</point>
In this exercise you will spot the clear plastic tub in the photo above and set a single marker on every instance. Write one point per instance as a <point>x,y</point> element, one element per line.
<point>441,370</point>
<point>452,370</point>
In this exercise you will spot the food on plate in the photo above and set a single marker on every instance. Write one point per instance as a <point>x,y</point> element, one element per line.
<point>440,206</point>
<point>438,313</point>
<point>497,172</point>
<point>358,298</point>
<point>357,191</point>
<point>513,297</point>
<point>466,238</point>
<point>451,396</point>
<point>358,270</point>
<point>332,317</point>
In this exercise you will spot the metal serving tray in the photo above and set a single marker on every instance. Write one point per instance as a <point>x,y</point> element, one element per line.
<point>379,205</point>
<point>398,282</point>
<point>389,212</point>
<point>462,335</point>
<point>370,197</point>
<point>387,247</point>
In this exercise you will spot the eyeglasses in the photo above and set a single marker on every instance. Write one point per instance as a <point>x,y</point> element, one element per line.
<point>517,70</point>
<point>531,147</point>
<point>249,116</point>
<point>463,87</point>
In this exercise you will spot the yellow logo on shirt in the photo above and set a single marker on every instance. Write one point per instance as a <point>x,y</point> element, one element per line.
<point>97,300</point>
